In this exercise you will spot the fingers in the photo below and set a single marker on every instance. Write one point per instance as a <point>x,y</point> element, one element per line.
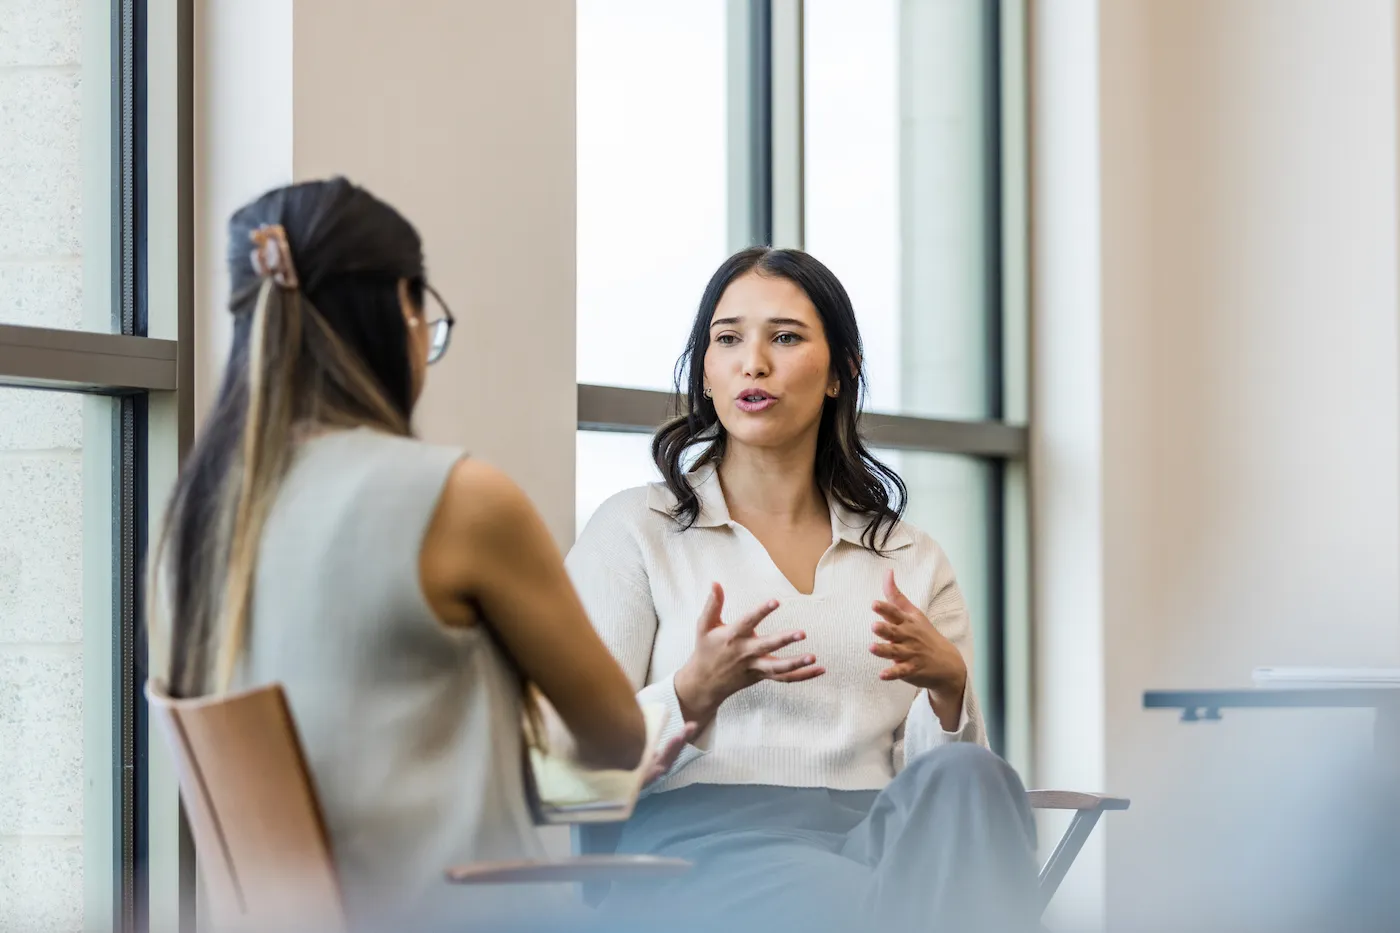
<point>797,676</point>
<point>668,754</point>
<point>892,613</point>
<point>745,626</point>
<point>771,643</point>
<point>773,667</point>
<point>896,671</point>
<point>672,748</point>
<point>891,591</point>
<point>888,631</point>
<point>883,649</point>
<point>665,757</point>
<point>895,595</point>
<point>659,767</point>
<point>710,615</point>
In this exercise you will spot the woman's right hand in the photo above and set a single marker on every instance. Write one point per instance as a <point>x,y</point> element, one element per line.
<point>728,658</point>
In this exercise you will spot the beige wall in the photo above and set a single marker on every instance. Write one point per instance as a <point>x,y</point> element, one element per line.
<point>469,129</point>
<point>460,114</point>
<point>1216,422</point>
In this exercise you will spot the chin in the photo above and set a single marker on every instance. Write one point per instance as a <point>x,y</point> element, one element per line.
<point>763,435</point>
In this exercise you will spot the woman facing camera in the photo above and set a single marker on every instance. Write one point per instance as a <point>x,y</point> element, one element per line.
<point>409,598</point>
<point>771,596</point>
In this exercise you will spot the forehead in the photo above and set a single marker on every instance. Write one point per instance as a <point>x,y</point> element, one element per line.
<point>756,297</point>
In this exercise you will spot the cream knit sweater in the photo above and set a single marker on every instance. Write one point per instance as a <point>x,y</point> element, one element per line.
<point>644,583</point>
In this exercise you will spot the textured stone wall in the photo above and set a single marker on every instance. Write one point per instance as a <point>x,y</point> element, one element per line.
<point>41,491</point>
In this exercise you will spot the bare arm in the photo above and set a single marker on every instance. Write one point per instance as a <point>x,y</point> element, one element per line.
<point>488,547</point>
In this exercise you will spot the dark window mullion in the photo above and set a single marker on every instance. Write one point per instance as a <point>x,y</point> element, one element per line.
<point>129,469</point>
<point>995,691</point>
<point>761,122</point>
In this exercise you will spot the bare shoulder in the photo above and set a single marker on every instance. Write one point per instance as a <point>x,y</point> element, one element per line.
<point>481,501</point>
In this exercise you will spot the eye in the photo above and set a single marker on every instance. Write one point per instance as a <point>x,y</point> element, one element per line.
<point>727,340</point>
<point>787,339</point>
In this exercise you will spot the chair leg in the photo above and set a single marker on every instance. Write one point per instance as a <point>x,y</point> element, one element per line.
<point>1057,866</point>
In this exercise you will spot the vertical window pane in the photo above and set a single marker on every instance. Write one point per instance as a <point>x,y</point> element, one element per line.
<point>607,464</point>
<point>42,125</point>
<point>651,181</point>
<point>897,171</point>
<point>852,170</point>
<point>43,509</point>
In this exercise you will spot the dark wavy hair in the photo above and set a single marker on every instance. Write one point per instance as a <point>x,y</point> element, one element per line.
<point>846,471</point>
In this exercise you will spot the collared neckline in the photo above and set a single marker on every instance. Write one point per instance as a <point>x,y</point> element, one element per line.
<point>846,525</point>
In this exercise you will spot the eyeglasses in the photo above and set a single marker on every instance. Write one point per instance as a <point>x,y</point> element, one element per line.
<point>439,326</point>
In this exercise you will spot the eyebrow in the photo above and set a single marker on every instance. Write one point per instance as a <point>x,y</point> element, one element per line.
<point>781,321</point>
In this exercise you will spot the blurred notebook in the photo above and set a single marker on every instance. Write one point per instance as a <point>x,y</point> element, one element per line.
<point>564,792</point>
<point>1326,677</point>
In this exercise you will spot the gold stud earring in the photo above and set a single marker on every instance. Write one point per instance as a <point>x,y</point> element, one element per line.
<point>708,392</point>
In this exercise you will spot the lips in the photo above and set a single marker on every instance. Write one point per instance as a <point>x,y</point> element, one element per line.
<point>755,400</point>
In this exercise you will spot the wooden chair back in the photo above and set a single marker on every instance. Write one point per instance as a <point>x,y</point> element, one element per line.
<point>264,855</point>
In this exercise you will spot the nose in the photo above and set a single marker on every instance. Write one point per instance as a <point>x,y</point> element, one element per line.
<point>756,361</point>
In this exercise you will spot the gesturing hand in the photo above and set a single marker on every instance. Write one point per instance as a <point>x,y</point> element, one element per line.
<point>728,658</point>
<point>920,654</point>
<point>667,754</point>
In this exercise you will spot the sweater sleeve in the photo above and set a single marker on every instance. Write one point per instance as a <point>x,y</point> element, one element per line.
<point>608,571</point>
<point>922,731</point>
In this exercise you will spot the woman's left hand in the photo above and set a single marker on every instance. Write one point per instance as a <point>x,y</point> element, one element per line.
<point>919,653</point>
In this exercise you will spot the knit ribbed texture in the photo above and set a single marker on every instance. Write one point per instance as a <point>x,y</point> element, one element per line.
<point>644,584</point>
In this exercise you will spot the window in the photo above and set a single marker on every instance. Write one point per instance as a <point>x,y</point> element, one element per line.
<point>851,170</point>
<point>91,426</point>
<point>651,181</point>
<point>901,196</point>
<point>609,462</point>
<point>886,139</point>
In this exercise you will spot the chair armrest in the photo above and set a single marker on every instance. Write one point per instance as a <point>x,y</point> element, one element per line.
<point>1087,810</point>
<point>585,868</point>
<point>1075,800</point>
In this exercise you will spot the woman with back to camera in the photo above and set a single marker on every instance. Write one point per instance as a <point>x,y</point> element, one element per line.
<point>773,597</point>
<point>404,594</point>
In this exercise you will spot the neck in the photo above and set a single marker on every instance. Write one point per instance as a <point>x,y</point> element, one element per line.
<point>777,483</point>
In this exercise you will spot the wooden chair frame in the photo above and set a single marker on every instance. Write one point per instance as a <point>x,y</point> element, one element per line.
<point>243,827</point>
<point>264,853</point>
<point>600,839</point>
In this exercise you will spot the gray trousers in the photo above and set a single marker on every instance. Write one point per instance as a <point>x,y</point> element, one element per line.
<point>947,846</point>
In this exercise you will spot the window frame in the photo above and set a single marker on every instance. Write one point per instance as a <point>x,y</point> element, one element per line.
<point>766,206</point>
<point>138,230</point>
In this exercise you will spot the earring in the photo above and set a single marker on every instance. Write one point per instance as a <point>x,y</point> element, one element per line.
<point>708,392</point>
<point>833,392</point>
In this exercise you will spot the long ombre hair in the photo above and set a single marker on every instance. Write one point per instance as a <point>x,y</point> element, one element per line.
<point>319,344</point>
<point>846,471</point>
